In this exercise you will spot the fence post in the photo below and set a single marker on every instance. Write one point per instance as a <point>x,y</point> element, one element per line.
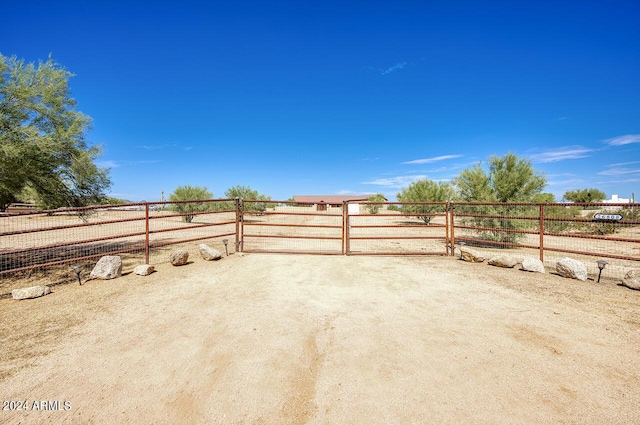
<point>452,209</point>
<point>238,219</point>
<point>345,227</point>
<point>542,232</point>
<point>146,234</point>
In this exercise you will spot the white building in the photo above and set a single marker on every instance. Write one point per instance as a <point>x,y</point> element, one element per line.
<point>616,200</point>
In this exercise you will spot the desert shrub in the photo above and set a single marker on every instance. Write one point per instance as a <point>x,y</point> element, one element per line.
<point>375,208</point>
<point>188,193</point>
<point>425,191</point>
<point>248,194</point>
<point>503,229</point>
<point>630,213</point>
<point>561,216</point>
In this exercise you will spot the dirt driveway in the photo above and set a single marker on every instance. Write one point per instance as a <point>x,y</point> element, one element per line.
<point>277,339</point>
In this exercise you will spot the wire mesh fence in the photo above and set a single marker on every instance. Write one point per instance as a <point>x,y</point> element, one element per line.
<point>55,237</point>
<point>148,231</point>
<point>392,228</point>
<point>288,227</point>
<point>587,232</point>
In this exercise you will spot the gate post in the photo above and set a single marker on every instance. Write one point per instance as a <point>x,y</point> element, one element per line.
<point>345,228</point>
<point>542,232</point>
<point>452,212</point>
<point>146,234</point>
<point>238,228</point>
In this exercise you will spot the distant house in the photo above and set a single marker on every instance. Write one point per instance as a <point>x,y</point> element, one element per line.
<point>321,202</point>
<point>616,200</point>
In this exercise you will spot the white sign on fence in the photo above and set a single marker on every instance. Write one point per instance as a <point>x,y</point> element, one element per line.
<point>607,217</point>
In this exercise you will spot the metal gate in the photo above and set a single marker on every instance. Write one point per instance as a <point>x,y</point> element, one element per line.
<point>352,228</point>
<point>287,227</point>
<point>393,228</point>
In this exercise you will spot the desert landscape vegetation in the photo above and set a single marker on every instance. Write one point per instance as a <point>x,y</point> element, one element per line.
<point>466,266</point>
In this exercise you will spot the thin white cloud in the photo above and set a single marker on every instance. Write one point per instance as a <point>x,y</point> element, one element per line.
<point>160,147</point>
<point>573,183</point>
<point>623,181</point>
<point>394,68</point>
<point>117,164</point>
<point>396,182</point>
<point>619,171</point>
<point>431,160</point>
<point>153,147</point>
<point>562,154</point>
<point>107,164</point>
<point>622,164</point>
<point>623,140</point>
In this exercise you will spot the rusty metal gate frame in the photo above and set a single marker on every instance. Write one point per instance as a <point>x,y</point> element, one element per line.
<point>346,226</point>
<point>244,212</point>
<point>445,236</point>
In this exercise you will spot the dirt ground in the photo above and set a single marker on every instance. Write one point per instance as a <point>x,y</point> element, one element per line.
<point>292,339</point>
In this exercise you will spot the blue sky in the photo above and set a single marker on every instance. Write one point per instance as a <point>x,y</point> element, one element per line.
<point>333,97</point>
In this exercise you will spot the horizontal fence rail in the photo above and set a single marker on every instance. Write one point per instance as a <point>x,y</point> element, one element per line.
<point>31,239</point>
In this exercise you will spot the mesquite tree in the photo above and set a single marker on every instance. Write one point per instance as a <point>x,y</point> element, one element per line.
<point>43,150</point>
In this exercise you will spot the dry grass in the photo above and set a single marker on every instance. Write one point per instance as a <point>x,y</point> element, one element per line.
<point>30,328</point>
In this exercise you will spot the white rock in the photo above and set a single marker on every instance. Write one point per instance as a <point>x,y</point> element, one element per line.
<point>503,261</point>
<point>574,269</point>
<point>179,257</point>
<point>31,292</point>
<point>209,253</point>
<point>107,267</point>
<point>632,279</point>
<point>144,270</point>
<point>531,264</point>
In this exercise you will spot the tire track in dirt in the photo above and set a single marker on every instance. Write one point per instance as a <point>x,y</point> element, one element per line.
<point>301,405</point>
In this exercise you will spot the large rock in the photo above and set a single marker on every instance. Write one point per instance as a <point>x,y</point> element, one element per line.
<point>107,267</point>
<point>470,255</point>
<point>632,279</point>
<point>503,261</point>
<point>574,269</point>
<point>31,292</point>
<point>179,257</point>
<point>531,264</point>
<point>209,253</point>
<point>144,270</point>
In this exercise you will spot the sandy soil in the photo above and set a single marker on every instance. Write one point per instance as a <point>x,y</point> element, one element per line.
<point>277,339</point>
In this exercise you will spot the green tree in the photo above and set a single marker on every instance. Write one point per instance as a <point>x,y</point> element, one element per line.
<point>248,194</point>
<point>425,191</point>
<point>584,195</point>
<point>544,198</point>
<point>508,179</point>
<point>42,138</point>
<point>375,208</point>
<point>190,193</point>
<point>113,201</point>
